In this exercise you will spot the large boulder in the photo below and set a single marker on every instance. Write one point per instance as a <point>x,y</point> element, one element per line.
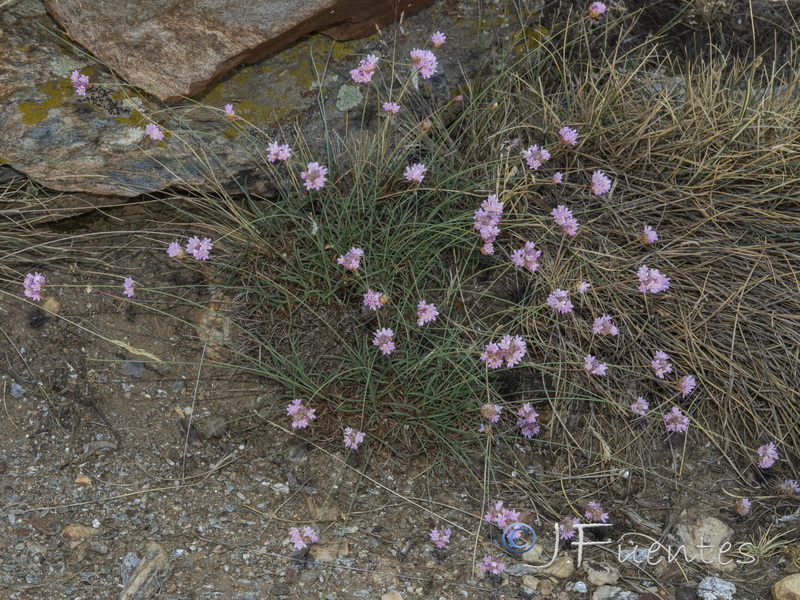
<point>174,48</point>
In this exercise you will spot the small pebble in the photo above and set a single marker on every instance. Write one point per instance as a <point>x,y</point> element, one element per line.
<point>17,391</point>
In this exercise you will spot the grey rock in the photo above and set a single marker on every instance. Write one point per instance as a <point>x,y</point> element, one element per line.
<point>607,592</point>
<point>132,368</point>
<point>714,588</point>
<point>279,589</point>
<point>17,391</point>
<point>787,588</point>
<point>520,569</point>
<point>129,563</point>
<point>178,386</point>
<point>601,573</point>
<point>705,537</point>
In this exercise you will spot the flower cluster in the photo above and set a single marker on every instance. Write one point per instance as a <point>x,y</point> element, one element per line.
<point>491,412</point>
<point>374,300</point>
<point>353,438</point>
<point>440,538</point>
<point>676,421</point>
<point>583,287</point>
<point>303,536</point>
<point>594,366</point>
<point>391,107</point>
<point>156,132</point>
<point>527,420</point>
<point>742,506</point>
<point>491,565</point>
<point>559,300</point>
<point>649,235</point>
<point>568,135</point>
<point>767,455</point>
<point>535,156</point>
<point>661,364</point>
<point>365,70</point>
<point>415,172</point>
<point>527,257</point>
<point>511,349</point>
<point>128,287</point>
<point>487,219</point>
<point>276,151</point>
<point>686,384</point>
<point>601,184</point>
<point>315,176</point>
<point>640,406</point>
<point>301,414</point>
<point>351,259</point>
<point>198,248</point>
<point>558,177</point>
<point>604,325</point>
<point>424,61</point>
<point>79,82</point>
<point>34,283</point>
<point>566,527</point>
<point>595,513</point>
<point>564,219</point>
<point>596,9</point>
<point>229,112</point>
<point>790,486</point>
<point>502,517</point>
<point>384,339</point>
<point>438,38</point>
<point>651,280</point>
<point>426,313</point>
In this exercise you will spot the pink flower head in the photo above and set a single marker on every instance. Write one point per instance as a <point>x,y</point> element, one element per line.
<point>391,107</point>
<point>303,536</point>
<point>415,172</point>
<point>676,421</point>
<point>426,124</point>
<point>558,177</point>
<point>767,455</point>
<point>596,9</point>
<point>564,219</point>
<point>154,131</point>
<point>527,420</point>
<point>502,517</point>
<point>790,486</point>
<point>595,513</point>
<point>661,364</point>
<point>353,438</point>
<point>199,248</point>
<point>566,527</point>
<point>276,151</point>
<point>535,156</point>
<point>384,339</point>
<point>600,183</point>
<point>424,61</point>
<point>365,70</point>
<point>568,135</point>
<point>440,538</point>
<point>742,506</point>
<point>594,366</point>
<point>300,413</point>
<point>34,283</point>
<point>352,259</point>
<point>491,565</point>
<point>651,280</point>
<point>686,384</point>
<point>314,176</point>
<point>438,38</point>
<point>79,82</point>
<point>426,313</point>
<point>492,356</point>
<point>527,257</point>
<point>640,406</point>
<point>128,287</point>
<point>583,287</point>
<point>374,300</point>
<point>487,218</point>
<point>491,412</point>
<point>513,349</point>
<point>604,326</point>
<point>649,236</point>
<point>559,300</point>
<point>175,250</point>
<point>229,112</point>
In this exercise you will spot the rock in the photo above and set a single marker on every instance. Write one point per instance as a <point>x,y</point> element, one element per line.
<point>51,304</point>
<point>129,562</point>
<point>83,480</point>
<point>562,567</point>
<point>175,48</point>
<point>578,586</point>
<point>76,531</point>
<point>534,555</point>
<point>601,573</point>
<point>518,570</point>
<point>327,553</point>
<point>132,368</point>
<point>714,588</point>
<point>392,595</point>
<point>530,582</point>
<point>212,427</point>
<point>17,391</point>
<point>149,575</point>
<point>787,588</point>
<point>706,540</point>
<point>607,592</point>
<point>279,589</point>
